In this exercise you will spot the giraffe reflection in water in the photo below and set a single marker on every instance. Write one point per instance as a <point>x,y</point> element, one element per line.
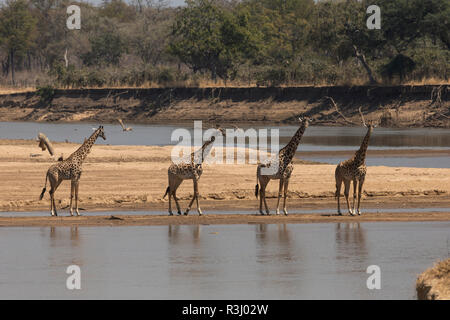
<point>351,243</point>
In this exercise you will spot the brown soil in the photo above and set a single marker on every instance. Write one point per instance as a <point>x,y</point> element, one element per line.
<point>135,178</point>
<point>395,106</point>
<point>434,283</point>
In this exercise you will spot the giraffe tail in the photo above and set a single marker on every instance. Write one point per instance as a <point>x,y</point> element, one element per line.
<point>167,192</point>
<point>45,188</point>
<point>257,184</point>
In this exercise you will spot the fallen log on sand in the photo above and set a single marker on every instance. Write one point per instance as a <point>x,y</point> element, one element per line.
<point>45,144</point>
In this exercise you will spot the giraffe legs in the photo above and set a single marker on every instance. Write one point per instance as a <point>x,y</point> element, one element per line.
<point>77,182</point>
<point>280,192</point>
<point>176,202</point>
<point>355,185</point>
<point>195,197</point>
<point>346,193</point>
<point>338,195</point>
<point>262,195</point>
<point>72,191</point>
<point>361,182</point>
<point>174,183</point>
<point>54,184</point>
<point>338,190</point>
<point>286,185</point>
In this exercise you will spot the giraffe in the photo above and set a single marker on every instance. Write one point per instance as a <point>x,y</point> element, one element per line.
<point>354,170</point>
<point>285,168</point>
<point>70,169</point>
<point>188,170</point>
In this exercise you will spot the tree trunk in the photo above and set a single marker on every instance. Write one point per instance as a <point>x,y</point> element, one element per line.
<point>214,73</point>
<point>65,59</point>
<point>12,67</point>
<point>363,60</point>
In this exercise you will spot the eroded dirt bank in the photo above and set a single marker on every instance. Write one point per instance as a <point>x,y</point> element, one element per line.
<point>396,105</point>
<point>135,178</point>
<point>434,283</point>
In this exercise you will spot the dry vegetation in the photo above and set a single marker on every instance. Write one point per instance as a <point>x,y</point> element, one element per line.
<point>248,43</point>
<point>434,283</point>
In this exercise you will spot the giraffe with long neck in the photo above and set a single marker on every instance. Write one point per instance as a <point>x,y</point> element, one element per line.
<point>190,170</point>
<point>283,166</point>
<point>70,169</point>
<point>354,170</point>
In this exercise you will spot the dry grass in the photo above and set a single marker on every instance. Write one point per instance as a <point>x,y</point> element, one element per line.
<point>207,83</point>
<point>434,283</point>
<point>427,81</point>
<point>11,90</point>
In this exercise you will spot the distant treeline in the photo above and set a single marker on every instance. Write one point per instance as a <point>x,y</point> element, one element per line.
<point>231,42</point>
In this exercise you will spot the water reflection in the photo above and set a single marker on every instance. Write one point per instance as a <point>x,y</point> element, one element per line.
<point>66,249</point>
<point>273,245</point>
<point>61,233</point>
<point>176,236</point>
<point>351,250</point>
<point>278,260</point>
<point>189,256</point>
<point>284,261</point>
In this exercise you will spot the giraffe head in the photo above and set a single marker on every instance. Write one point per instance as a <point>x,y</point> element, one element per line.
<point>371,124</point>
<point>305,121</point>
<point>101,132</point>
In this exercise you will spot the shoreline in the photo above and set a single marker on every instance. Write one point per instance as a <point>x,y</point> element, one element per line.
<point>215,219</point>
<point>370,204</point>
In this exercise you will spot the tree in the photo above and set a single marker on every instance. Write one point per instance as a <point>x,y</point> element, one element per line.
<point>17,28</point>
<point>119,10</point>
<point>106,48</point>
<point>206,37</point>
<point>405,21</point>
<point>149,35</point>
<point>279,28</point>
<point>340,31</point>
<point>409,26</point>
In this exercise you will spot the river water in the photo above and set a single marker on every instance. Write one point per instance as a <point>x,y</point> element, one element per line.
<point>293,261</point>
<point>315,139</point>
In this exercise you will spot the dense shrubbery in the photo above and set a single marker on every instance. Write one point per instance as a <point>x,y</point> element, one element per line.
<point>251,42</point>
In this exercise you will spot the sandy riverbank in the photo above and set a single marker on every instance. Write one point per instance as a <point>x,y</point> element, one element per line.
<point>215,219</point>
<point>135,178</point>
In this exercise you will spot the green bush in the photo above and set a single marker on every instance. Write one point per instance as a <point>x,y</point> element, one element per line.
<point>95,79</point>
<point>165,76</point>
<point>272,77</point>
<point>400,66</point>
<point>46,94</point>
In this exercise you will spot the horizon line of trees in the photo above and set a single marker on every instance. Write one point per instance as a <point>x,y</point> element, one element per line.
<point>246,42</point>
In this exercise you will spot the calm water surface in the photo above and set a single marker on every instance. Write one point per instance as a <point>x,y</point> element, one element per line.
<point>291,261</point>
<point>315,139</point>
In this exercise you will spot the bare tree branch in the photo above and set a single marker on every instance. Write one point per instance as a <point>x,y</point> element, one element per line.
<point>342,115</point>
<point>45,144</point>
